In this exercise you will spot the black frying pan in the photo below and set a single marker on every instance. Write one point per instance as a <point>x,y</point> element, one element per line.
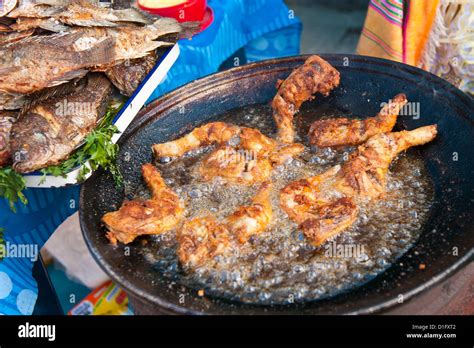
<point>447,240</point>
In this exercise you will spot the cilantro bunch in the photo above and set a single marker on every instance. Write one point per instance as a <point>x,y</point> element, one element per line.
<point>98,149</point>
<point>12,185</point>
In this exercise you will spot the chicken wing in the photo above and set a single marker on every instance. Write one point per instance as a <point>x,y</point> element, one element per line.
<point>210,133</point>
<point>346,132</point>
<point>138,217</point>
<point>216,133</point>
<point>315,75</point>
<point>204,238</point>
<point>326,204</point>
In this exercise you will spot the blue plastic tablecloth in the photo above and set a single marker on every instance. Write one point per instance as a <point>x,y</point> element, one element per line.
<point>263,28</point>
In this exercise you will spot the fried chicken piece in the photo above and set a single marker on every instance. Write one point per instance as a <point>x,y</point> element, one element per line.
<point>138,217</point>
<point>364,174</point>
<point>210,133</point>
<point>326,204</point>
<point>347,132</point>
<point>252,162</point>
<point>315,75</point>
<point>254,141</point>
<point>332,219</point>
<point>254,218</point>
<point>201,239</point>
<point>247,164</point>
<point>204,238</point>
<point>237,166</point>
<point>286,152</point>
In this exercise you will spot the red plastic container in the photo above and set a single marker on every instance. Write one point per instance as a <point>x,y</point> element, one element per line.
<point>191,10</point>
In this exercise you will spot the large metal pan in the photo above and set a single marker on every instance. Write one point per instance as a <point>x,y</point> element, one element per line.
<point>447,240</point>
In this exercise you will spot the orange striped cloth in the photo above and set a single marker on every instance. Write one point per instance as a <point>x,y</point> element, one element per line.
<point>397,29</point>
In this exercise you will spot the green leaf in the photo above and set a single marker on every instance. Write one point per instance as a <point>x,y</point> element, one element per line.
<point>98,149</point>
<point>11,186</point>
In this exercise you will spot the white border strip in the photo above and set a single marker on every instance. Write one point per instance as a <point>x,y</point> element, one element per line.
<point>126,116</point>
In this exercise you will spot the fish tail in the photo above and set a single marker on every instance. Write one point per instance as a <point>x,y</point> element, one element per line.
<point>165,25</point>
<point>131,15</point>
<point>189,29</point>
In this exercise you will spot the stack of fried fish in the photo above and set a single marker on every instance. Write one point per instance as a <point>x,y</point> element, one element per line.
<point>59,63</point>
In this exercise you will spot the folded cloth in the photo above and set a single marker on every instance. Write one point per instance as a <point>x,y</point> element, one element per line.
<point>397,29</point>
<point>382,34</point>
<point>436,35</point>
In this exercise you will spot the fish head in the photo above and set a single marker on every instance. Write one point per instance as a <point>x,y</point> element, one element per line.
<point>31,143</point>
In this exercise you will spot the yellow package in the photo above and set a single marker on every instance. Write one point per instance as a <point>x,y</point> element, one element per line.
<point>107,299</point>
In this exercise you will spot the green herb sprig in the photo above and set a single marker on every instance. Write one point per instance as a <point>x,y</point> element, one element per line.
<point>12,185</point>
<point>98,149</point>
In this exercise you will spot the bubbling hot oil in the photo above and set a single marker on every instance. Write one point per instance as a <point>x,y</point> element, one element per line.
<point>279,265</point>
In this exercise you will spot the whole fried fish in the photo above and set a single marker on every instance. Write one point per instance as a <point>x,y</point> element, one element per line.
<point>59,58</point>
<point>51,130</point>
<point>128,75</point>
<point>132,42</point>
<point>7,118</point>
<point>38,62</point>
